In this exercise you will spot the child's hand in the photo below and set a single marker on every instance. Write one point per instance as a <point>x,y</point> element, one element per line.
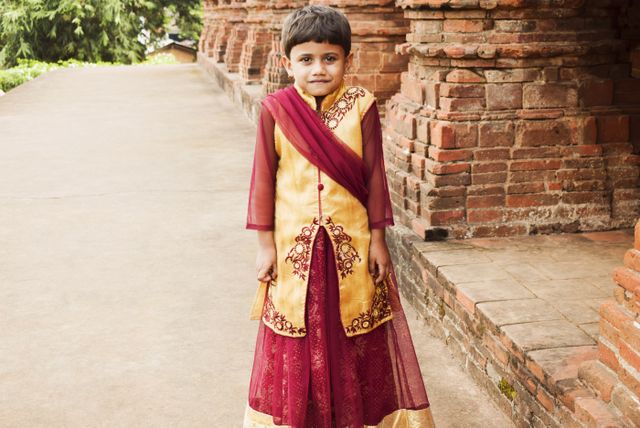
<point>266,266</point>
<point>379,258</point>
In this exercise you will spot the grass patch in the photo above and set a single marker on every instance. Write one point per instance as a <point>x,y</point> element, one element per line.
<point>28,69</point>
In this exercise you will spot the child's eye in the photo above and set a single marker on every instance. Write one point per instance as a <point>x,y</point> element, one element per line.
<point>305,59</point>
<point>331,58</point>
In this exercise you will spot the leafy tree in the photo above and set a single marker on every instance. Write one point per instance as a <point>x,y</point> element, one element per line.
<point>89,30</point>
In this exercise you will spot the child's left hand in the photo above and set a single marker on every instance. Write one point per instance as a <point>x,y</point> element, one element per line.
<point>379,260</point>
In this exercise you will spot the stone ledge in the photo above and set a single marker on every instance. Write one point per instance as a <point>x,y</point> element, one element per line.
<point>246,96</point>
<point>521,315</point>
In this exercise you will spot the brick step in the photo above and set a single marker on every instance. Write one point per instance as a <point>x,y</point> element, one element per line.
<point>515,314</point>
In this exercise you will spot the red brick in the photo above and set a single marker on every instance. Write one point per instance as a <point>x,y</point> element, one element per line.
<point>599,377</point>
<point>506,96</point>
<point>630,356</point>
<point>489,178</point>
<point>485,190</point>
<point>537,152</point>
<point>596,93</point>
<point>464,76</point>
<point>608,357</point>
<point>447,168</point>
<point>545,95</point>
<point>568,398</point>
<point>537,187</point>
<point>485,201</point>
<point>545,399</point>
<point>491,154</point>
<point>449,155</point>
<point>496,348</point>
<point>432,94</point>
<point>587,150</point>
<point>412,88</point>
<point>417,165</point>
<point>627,91</point>
<point>441,218</point>
<point>613,129</point>
<point>446,135</point>
<point>594,413</point>
<point>464,25</point>
<point>452,90</point>
<point>627,278</point>
<point>496,134</point>
<point>484,215</point>
<point>461,104</point>
<point>482,167</point>
<point>528,165</point>
<point>543,133</point>
<point>531,200</point>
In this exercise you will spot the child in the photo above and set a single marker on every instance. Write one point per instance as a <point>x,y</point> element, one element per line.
<point>333,347</point>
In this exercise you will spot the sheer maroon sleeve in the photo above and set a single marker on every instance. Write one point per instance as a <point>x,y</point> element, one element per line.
<point>379,202</point>
<point>261,205</point>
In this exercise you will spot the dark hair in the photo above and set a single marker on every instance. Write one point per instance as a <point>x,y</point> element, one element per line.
<point>316,23</point>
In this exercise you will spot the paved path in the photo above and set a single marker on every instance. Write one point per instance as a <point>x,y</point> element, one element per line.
<point>125,271</point>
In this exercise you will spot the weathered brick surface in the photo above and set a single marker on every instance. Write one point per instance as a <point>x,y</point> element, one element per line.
<point>533,97</point>
<point>619,345</point>
<point>519,313</point>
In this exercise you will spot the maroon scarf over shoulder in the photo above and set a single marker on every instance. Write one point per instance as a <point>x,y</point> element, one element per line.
<point>314,140</point>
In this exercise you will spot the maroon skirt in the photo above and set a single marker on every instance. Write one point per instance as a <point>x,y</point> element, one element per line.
<point>326,379</point>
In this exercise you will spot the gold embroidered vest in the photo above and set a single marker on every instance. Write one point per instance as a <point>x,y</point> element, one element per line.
<point>306,199</point>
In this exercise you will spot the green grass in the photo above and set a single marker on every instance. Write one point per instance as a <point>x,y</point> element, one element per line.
<point>30,69</point>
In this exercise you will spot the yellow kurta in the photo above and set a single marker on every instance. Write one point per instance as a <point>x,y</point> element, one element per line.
<point>307,199</point>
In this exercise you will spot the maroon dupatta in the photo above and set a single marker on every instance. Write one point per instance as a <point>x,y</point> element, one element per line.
<point>314,140</point>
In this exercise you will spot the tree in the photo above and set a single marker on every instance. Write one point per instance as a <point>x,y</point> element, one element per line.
<point>88,30</point>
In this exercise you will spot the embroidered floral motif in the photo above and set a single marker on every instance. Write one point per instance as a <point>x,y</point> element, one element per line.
<point>380,309</point>
<point>346,255</point>
<point>334,115</point>
<point>277,320</point>
<point>300,254</point>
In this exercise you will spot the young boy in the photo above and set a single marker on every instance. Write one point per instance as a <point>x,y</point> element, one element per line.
<point>333,347</point>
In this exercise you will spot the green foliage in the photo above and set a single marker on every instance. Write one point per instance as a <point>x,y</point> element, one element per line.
<point>90,30</point>
<point>507,389</point>
<point>28,69</point>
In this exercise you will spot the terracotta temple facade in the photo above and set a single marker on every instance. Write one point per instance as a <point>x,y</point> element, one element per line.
<point>502,118</point>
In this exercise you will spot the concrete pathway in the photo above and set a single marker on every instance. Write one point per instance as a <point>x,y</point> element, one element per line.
<point>126,274</point>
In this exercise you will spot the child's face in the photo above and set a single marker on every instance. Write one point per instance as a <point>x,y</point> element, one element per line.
<point>318,68</point>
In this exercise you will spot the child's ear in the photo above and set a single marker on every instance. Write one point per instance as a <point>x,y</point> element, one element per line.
<point>286,63</point>
<point>348,62</point>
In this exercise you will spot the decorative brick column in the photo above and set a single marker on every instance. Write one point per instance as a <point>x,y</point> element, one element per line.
<point>226,15</point>
<point>275,76</point>
<point>514,117</point>
<point>211,19</point>
<point>239,29</point>
<point>258,42</point>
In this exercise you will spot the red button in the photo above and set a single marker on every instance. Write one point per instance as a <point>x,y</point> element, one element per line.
<point>320,186</point>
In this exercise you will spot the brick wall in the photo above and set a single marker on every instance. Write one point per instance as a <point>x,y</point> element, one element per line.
<point>617,378</point>
<point>514,118</point>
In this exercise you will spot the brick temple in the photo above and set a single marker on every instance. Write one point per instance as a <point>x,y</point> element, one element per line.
<point>503,119</point>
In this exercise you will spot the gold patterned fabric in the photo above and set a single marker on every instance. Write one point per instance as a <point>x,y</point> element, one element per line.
<point>402,418</point>
<point>305,199</point>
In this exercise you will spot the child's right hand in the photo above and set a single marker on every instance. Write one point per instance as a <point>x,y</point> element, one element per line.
<point>266,266</point>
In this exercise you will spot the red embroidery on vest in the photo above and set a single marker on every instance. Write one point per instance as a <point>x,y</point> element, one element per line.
<point>380,309</point>
<point>277,320</point>
<point>346,255</point>
<point>339,109</point>
<point>300,254</point>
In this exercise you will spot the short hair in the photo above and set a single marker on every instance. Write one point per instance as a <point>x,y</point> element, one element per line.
<point>316,23</point>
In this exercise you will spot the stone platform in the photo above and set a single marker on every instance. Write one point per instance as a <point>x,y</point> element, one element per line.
<point>521,314</point>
